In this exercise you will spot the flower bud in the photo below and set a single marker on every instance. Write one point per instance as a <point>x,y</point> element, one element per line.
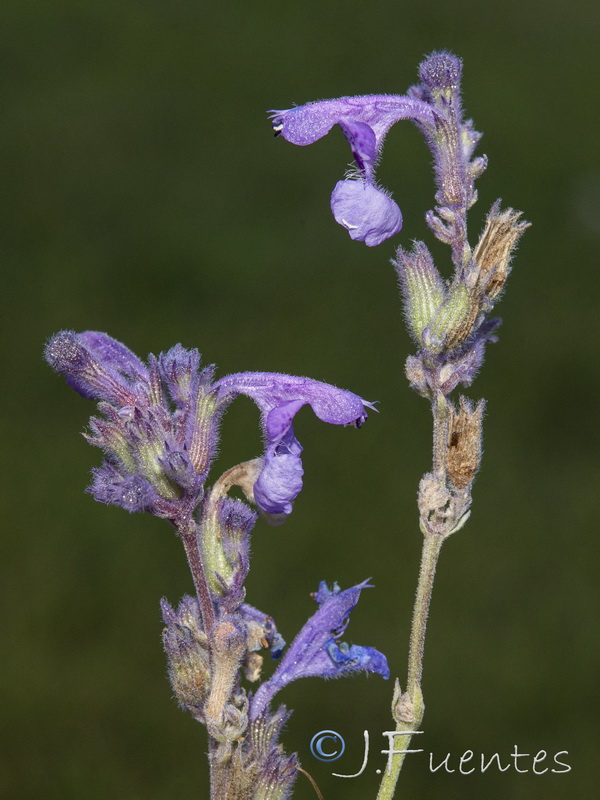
<point>68,354</point>
<point>187,655</point>
<point>422,287</point>
<point>441,70</point>
<point>226,526</point>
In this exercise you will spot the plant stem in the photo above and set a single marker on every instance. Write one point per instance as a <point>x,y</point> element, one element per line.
<point>431,549</point>
<point>439,408</point>
<point>192,551</point>
<point>432,544</point>
<point>429,556</point>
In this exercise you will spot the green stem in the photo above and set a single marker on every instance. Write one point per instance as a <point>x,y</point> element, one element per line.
<point>431,549</point>
<point>429,558</point>
<point>432,544</point>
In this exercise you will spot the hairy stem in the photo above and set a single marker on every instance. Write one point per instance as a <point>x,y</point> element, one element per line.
<point>192,551</point>
<point>219,783</point>
<point>431,549</point>
<point>439,408</point>
<point>411,716</point>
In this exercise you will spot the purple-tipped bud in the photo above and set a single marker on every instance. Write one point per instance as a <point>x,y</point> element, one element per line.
<point>68,353</point>
<point>276,778</point>
<point>226,525</point>
<point>187,613</point>
<point>273,772</point>
<point>179,369</point>
<point>112,353</point>
<point>441,70</point>
<point>65,354</point>
<point>236,519</point>
<point>159,425</point>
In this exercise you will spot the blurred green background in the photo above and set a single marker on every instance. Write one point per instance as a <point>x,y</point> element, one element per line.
<point>144,196</point>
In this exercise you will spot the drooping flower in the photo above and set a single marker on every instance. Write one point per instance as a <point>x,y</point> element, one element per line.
<point>279,398</point>
<point>159,422</point>
<point>316,650</point>
<point>367,212</point>
<point>433,105</point>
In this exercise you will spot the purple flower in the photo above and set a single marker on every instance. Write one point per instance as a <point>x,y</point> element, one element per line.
<point>279,398</point>
<point>316,650</point>
<point>365,210</point>
<point>159,422</point>
<point>358,203</point>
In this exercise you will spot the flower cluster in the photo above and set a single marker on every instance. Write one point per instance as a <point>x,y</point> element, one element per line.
<point>159,423</point>
<point>205,677</point>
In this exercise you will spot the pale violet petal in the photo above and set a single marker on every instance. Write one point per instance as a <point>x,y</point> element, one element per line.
<point>368,213</point>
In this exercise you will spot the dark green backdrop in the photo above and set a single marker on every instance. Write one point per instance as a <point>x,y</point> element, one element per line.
<point>145,196</point>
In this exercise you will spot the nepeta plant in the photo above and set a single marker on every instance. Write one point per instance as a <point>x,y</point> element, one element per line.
<point>158,427</point>
<point>449,320</point>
